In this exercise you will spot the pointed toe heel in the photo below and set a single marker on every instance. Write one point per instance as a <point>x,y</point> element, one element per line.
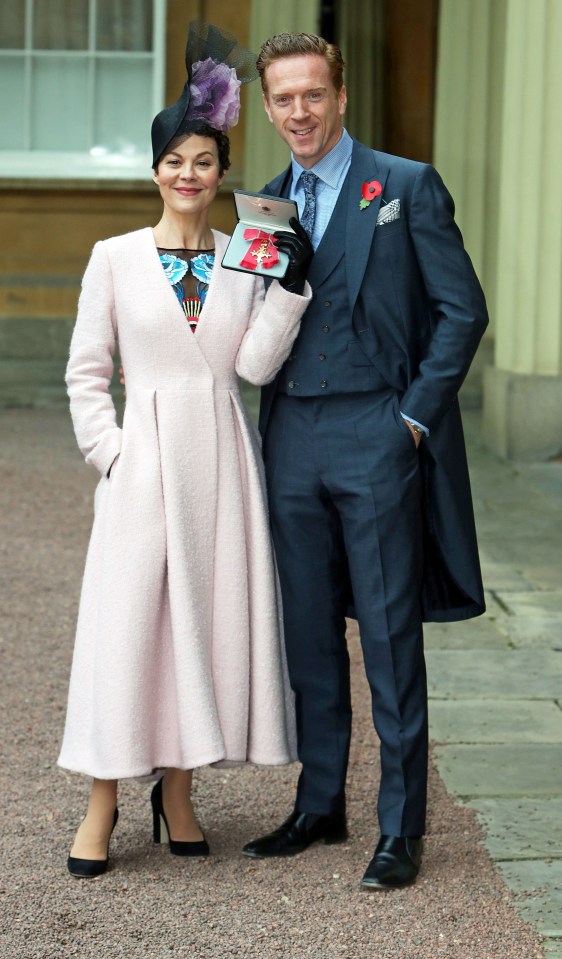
<point>91,868</point>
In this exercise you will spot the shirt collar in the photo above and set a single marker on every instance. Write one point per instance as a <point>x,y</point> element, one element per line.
<point>332,166</point>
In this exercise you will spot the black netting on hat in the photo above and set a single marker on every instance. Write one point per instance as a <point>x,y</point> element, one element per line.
<point>205,40</point>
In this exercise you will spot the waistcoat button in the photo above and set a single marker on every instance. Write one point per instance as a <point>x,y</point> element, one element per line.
<point>327,302</point>
<point>323,384</point>
<point>322,356</point>
<point>325,329</point>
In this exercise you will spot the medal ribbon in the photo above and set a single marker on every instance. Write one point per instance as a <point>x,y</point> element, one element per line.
<point>262,251</point>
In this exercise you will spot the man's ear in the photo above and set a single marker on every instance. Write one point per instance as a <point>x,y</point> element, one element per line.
<point>266,107</point>
<point>342,98</point>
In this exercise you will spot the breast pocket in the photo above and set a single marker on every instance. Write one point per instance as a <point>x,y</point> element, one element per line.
<point>387,230</point>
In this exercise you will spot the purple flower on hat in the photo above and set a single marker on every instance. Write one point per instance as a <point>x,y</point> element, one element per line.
<point>214,94</point>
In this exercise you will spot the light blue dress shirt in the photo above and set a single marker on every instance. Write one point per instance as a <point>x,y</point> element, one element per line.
<point>331,171</point>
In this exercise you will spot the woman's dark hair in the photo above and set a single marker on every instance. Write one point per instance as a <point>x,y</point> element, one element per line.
<point>199,128</point>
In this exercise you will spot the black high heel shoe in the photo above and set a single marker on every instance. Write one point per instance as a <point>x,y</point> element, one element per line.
<point>90,868</point>
<point>161,830</point>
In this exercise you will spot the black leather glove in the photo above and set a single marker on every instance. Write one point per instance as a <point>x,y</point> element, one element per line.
<point>299,249</point>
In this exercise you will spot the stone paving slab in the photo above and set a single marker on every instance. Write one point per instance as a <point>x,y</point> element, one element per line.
<point>528,604</point>
<point>511,493</point>
<point>546,477</point>
<point>519,522</point>
<point>493,608</point>
<point>538,547</point>
<point>510,674</point>
<point>481,633</point>
<point>525,769</point>
<point>504,576</point>
<point>537,630</point>
<point>542,576</point>
<point>498,721</point>
<point>521,828</point>
<point>534,544</point>
<point>553,949</point>
<point>543,882</point>
<point>514,516</point>
<point>499,480</point>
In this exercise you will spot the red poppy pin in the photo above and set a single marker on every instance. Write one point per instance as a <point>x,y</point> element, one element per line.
<point>369,191</point>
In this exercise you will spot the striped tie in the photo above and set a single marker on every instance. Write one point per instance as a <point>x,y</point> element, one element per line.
<point>309,181</point>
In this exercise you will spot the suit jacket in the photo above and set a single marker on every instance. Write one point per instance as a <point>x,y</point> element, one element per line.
<point>418,312</point>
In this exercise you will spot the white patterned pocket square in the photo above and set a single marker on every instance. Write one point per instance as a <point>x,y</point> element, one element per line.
<point>389,212</point>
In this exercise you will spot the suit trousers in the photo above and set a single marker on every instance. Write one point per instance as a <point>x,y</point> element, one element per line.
<point>344,492</point>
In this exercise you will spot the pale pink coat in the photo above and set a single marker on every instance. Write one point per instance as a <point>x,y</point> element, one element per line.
<point>179,657</point>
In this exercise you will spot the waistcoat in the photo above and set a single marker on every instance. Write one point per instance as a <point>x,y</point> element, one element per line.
<point>326,357</point>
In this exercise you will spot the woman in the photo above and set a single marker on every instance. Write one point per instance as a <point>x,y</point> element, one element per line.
<point>179,659</point>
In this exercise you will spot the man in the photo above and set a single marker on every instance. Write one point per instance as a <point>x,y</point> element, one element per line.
<point>368,483</point>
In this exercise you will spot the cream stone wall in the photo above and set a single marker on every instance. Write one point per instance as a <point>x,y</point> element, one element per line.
<point>265,153</point>
<point>467,117</point>
<point>528,297</point>
<point>498,142</point>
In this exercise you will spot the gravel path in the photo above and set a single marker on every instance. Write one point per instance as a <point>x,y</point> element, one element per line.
<point>151,904</point>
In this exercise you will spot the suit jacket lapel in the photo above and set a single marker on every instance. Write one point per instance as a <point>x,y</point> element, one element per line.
<point>360,224</point>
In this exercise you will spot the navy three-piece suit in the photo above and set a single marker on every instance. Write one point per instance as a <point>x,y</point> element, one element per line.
<point>360,517</point>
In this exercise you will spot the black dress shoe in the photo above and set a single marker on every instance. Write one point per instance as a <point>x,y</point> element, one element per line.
<point>297,833</point>
<point>396,863</point>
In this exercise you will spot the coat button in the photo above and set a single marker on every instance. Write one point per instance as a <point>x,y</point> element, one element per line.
<point>327,303</point>
<point>291,384</point>
<point>323,384</point>
<point>325,329</point>
<point>322,356</point>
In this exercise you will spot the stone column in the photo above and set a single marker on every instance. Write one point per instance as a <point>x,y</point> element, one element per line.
<point>523,391</point>
<point>467,119</point>
<point>461,138</point>
<point>361,40</point>
<point>265,153</point>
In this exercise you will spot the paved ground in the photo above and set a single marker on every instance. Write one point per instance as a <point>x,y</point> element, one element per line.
<point>491,884</point>
<point>496,684</point>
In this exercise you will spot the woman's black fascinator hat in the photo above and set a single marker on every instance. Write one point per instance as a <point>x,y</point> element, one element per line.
<point>216,68</point>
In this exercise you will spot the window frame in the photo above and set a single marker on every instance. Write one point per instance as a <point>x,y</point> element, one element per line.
<point>54,165</point>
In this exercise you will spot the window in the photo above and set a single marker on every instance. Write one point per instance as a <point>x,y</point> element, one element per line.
<point>80,81</point>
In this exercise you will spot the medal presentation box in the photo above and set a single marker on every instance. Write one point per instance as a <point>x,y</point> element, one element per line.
<point>252,248</point>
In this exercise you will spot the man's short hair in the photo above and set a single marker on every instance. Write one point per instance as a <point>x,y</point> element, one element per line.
<point>299,44</point>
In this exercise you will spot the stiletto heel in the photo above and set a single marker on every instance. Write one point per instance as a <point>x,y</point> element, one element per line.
<point>90,868</point>
<point>161,830</point>
<point>159,825</point>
